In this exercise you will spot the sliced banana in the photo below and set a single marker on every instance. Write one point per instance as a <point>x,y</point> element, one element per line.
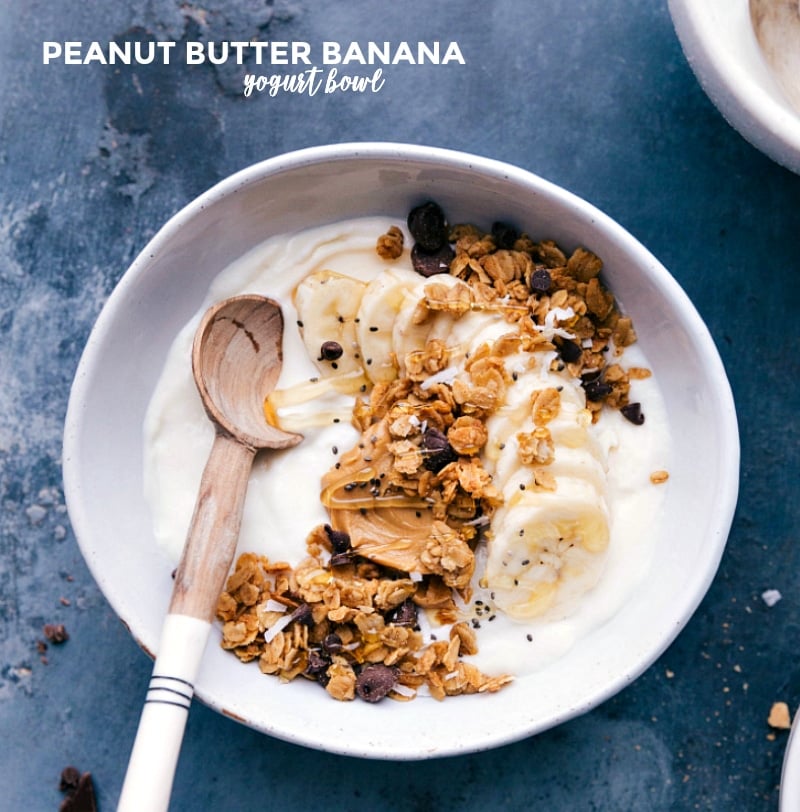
<point>548,539</point>
<point>327,305</point>
<point>548,548</point>
<point>410,334</point>
<point>379,308</point>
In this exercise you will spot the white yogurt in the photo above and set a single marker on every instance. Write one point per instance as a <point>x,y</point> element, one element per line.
<point>283,502</point>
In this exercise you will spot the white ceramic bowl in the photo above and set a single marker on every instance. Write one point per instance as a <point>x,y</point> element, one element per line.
<point>721,47</point>
<point>166,285</point>
<point>790,774</point>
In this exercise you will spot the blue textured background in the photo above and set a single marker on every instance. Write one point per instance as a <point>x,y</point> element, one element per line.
<point>593,95</point>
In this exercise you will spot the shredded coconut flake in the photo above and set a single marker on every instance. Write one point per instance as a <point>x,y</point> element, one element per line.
<point>278,626</point>
<point>550,328</point>
<point>480,521</point>
<point>446,375</point>
<point>546,360</point>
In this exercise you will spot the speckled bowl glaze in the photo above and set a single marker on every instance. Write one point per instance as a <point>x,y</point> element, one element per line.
<point>722,50</point>
<point>166,285</point>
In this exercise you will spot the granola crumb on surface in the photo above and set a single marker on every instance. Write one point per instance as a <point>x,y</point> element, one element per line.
<point>779,717</point>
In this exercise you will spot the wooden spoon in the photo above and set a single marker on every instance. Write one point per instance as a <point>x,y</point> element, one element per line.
<point>777,28</point>
<point>236,361</point>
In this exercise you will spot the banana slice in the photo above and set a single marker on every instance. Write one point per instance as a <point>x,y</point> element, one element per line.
<point>380,305</point>
<point>410,335</point>
<point>548,541</point>
<point>461,331</point>
<point>548,548</point>
<point>327,305</point>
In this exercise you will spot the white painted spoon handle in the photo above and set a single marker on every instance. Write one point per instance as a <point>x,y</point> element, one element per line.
<point>201,574</point>
<point>151,768</point>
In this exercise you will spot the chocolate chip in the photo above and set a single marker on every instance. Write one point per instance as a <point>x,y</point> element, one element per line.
<point>596,389</point>
<point>428,226</point>
<point>429,263</point>
<point>375,681</point>
<point>330,351</point>
<point>434,440</point>
<point>317,663</point>
<point>340,542</point>
<point>403,615</point>
<point>70,776</point>
<point>570,351</point>
<point>633,412</point>
<point>438,452</point>
<point>541,280</point>
<point>80,798</point>
<point>505,235</point>
<point>302,614</point>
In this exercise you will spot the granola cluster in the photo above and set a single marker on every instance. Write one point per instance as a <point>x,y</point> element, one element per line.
<point>558,302</point>
<point>348,624</point>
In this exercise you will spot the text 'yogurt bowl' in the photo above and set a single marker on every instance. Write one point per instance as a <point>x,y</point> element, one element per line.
<point>169,282</point>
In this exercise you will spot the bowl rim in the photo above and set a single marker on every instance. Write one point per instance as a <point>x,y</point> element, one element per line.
<point>729,452</point>
<point>789,799</point>
<point>769,125</point>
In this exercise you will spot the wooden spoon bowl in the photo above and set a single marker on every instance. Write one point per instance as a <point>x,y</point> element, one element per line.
<point>236,361</point>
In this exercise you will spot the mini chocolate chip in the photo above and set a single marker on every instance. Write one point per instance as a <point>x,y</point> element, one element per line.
<point>570,351</point>
<point>505,235</point>
<point>633,412</point>
<point>303,614</point>
<point>70,776</point>
<point>404,615</point>
<point>332,644</point>
<point>375,681</point>
<point>330,351</point>
<point>438,450</point>
<point>428,226</point>
<point>434,440</point>
<point>341,559</point>
<point>317,663</point>
<point>541,280</point>
<point>81,798</point>
<point>340,541</point>
<point>596,390</point>
<point>430,263</point>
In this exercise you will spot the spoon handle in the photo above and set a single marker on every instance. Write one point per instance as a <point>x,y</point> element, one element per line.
<point>200,577</point>
<point>151,766</point>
